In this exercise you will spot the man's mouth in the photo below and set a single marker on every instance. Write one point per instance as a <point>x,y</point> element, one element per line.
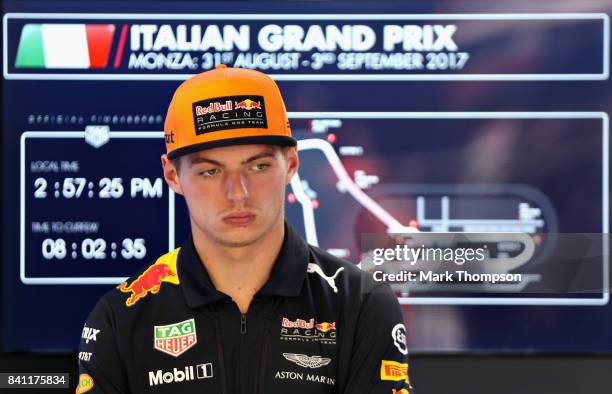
<point>239,218</point>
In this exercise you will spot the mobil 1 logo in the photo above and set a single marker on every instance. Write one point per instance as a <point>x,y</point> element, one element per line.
<point>202,371</point>
<point>229,112</point>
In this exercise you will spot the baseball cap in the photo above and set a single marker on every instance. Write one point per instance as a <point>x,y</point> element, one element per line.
<point>226,106</point>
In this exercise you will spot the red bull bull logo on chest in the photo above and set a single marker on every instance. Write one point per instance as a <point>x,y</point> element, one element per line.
<point>150,281</point>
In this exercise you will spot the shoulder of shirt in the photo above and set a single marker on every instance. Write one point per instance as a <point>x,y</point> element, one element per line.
<point>147,282</point>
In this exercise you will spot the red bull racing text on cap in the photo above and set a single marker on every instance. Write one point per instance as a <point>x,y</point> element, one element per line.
<point>226,106</point>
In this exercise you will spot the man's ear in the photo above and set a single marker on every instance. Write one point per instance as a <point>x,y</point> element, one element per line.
<point>293,163</point>
<point>171,174</point>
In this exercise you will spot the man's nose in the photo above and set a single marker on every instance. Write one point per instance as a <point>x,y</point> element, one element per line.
<point>237,186</point>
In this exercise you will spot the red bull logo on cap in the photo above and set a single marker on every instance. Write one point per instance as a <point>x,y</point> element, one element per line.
<point>213,107</point>
<point>163,270</point>
<point>248,104</point>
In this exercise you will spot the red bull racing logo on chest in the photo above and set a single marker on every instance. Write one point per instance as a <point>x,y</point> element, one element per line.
<point>326,327</point>
<point>298,323</point>
<point>300,330</point>
<point>150,281</point>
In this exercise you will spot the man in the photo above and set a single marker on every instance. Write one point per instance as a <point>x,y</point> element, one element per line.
<point>245,305</point>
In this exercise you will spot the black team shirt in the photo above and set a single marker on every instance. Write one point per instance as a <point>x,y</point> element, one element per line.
<point>319,325</point>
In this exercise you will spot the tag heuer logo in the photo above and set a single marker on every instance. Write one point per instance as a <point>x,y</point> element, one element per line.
<point>175,339</point>
<point>307,361</point>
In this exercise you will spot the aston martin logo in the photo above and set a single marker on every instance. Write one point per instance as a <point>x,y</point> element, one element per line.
<point>307,361</point>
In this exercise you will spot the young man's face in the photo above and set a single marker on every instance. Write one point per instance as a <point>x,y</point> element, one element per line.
<point>235,194</point>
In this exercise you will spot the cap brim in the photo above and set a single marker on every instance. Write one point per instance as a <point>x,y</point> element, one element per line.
<point>258,139</point>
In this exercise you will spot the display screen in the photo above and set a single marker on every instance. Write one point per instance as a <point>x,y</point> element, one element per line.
<point>429,117</point>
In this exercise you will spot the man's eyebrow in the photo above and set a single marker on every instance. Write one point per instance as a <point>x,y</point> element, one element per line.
<point>198,160</point>
<point>266,153</point>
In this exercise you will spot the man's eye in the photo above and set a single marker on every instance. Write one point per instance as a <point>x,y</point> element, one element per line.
<point>260,166</point>
<point>210,172</point>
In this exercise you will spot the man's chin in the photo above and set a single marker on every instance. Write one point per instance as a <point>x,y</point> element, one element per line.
<point>237,242</point>
<point>239,236</point>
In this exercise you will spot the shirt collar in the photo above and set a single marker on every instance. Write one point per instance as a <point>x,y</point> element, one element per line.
<point>286,278</point>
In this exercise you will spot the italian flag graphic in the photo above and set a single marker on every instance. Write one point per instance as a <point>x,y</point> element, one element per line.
<point>77,46</point>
